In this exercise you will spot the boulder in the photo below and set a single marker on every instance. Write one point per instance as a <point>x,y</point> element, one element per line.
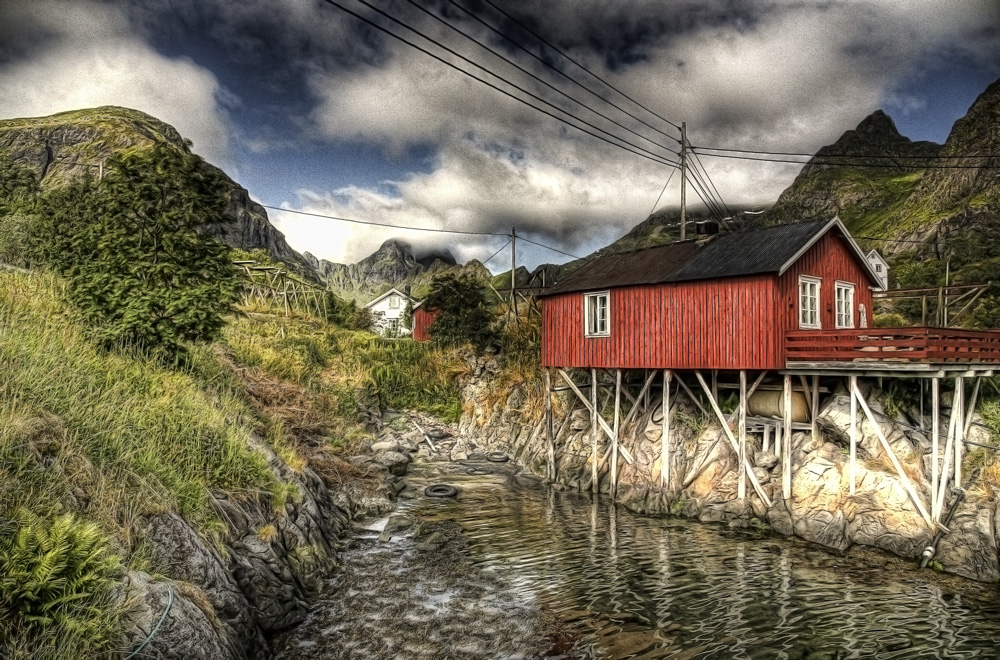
<point>394,461</point>
<point>970,549</point>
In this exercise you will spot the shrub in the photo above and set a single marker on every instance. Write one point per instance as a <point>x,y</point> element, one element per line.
<point>138,267</point>
<point>465,312</point>
<point>891,320</point>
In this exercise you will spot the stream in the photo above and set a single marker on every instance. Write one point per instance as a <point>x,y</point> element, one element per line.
<point>533,572</point>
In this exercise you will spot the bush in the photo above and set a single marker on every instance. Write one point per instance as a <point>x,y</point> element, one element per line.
<point>891,320</point>
<point>138,267</point>
<point>465,314</point>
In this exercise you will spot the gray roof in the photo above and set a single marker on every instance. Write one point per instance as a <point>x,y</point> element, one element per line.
<point>751,252</point>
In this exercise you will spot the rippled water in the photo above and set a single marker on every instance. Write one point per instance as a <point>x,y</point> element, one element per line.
<point>638,587</point>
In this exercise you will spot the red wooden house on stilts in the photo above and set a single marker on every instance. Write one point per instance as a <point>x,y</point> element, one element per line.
<point>793,301</point>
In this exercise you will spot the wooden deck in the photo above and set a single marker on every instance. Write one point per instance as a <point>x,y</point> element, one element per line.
<point>908,349</point>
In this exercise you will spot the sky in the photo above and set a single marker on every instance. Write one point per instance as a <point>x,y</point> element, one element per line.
<point>315,110</point>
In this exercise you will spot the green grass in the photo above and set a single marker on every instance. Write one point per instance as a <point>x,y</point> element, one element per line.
<point>113,438</point>
<point>344,369</point>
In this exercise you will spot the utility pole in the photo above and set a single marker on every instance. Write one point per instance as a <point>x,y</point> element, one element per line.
<point>513,270</point>
<point>683,180</point>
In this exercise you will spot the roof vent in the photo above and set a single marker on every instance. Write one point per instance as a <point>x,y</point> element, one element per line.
<point>706,228</point>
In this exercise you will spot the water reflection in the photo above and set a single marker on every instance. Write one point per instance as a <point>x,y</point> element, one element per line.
<point>638,587</point>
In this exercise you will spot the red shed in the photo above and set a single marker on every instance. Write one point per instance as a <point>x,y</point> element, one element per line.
<point>422,320</point>
<point>725,302</point>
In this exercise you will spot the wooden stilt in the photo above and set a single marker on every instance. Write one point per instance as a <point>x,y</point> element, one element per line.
<point>591,405</point>
<point>732,440</point>
<point>786,463</point>
<point>935,440</point>
<point>741,491</point>
<point>946,467</point>
<point>594,429</point>
<point>694,399</point>
<point>814,410</point>
<point>617,429</point>
<point>777,439</point>
<point>958,403</point>
<point>665,432</point>
<point>905,480</point>
<point>715,384</point>
<point>766,442</point>
<point>854,435</point>
<point>549,437</point>
<point>970,411</point>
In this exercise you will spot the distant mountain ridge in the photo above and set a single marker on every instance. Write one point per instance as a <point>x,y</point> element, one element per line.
<point>64,146</point>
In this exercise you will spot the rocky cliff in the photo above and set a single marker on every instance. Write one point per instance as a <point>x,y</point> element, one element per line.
<point>884,185</point>
<point>703,465</point>
<point>64,146</point>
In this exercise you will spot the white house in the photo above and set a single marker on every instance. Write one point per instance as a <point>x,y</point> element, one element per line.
<point>880,266</point>
<point>387,311</point>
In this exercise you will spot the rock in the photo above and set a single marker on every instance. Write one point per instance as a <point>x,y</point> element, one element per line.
<point>434,541</point>
<point>763,476</point>
<point>393,460</point>
<point>766,460</point>
<point>970,549</point>
<point>384,446</point>
<point>187,632</point>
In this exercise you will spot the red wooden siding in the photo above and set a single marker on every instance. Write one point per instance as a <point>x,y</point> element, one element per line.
<point>422,319</point>
<point>726,323</point>
<point>831,260</point>
<point>706,324</point>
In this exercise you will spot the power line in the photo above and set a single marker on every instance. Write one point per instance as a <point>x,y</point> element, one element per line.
<point>557,70</point>
<point>637,149</point>
<point>807,155</point>
<point>548,247</point>
<point>605,82</point>
<point>497,252</point>
<point>698,162</point>
<point>529,73</point>
<point>662,191</point>
<point>812,161</point>
<point>384,224</point>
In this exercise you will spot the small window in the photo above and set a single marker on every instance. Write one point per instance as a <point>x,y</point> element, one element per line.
<point>845,305</point>
<point>597,314</point>
<point>878,268</point>
<point>809,302</point>
<point>393,302</point>
<point>392,327</point>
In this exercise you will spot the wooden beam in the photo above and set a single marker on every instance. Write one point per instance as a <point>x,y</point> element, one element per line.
<point>971,410</point>
<point>852,470</point>
<point>626,454</point>
<point>690,394</point>
<point>549,437</point>
<point>732,440</point>
<point>958,403</point>
<point>741,490</point>
<point>617,428</point>
<point>642,396</point>
<point>766,444</point>
<point>786,463</point>
<point>907,485</point>
<point>814,410</point>
<point>935,441</point>
<point>665,452</point>
<point>943,481</point>
<point>593,428</point>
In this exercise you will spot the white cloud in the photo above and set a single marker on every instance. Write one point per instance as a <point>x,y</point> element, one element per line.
<point>92,59</point>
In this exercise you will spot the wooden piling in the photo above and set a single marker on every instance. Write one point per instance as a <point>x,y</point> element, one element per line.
<point>594,429</point>
<point>854,435</point>
<point>665,432</point>
<point>617,431</point>
<point>741,491</point>
<point>786,464</point>
<point>549,437</point>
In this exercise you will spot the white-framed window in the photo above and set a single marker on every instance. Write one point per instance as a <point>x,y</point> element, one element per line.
<point>809,302</point>
<point>392,327</point>
<point>393,302</point>
<point>597,314</point>
<point>878,268</point>
<point>845,305</point>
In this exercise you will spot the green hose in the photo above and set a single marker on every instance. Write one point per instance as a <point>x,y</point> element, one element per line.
<point>163,617</point>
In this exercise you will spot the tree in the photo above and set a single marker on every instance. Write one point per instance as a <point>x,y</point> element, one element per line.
<point>130,246</point>
<point>465,313</point>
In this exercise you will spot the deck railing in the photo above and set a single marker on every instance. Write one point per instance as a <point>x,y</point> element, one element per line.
<point>918,344</point>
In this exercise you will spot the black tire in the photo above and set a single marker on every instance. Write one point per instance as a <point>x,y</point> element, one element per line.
<point>440,490</point>
<point>497,457</point>
<point>478,471</point>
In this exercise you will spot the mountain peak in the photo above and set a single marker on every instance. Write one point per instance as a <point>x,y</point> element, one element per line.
<point>878,124</point>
